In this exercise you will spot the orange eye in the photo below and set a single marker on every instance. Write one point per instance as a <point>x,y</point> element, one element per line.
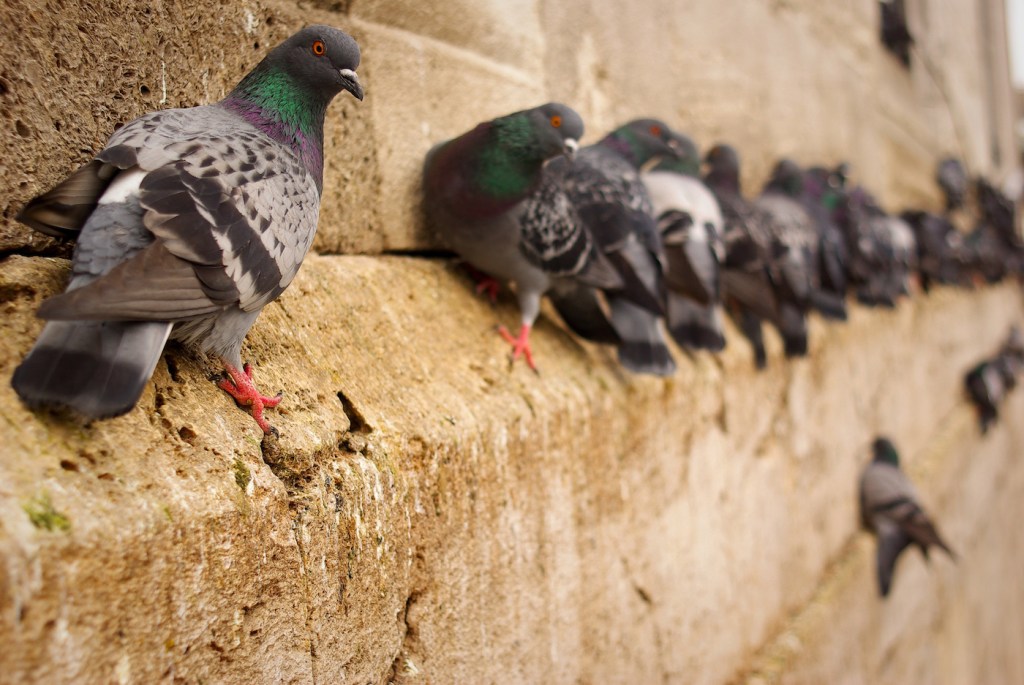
<point>319,48</point>
<point>656,130</point>
<point>556,121</point>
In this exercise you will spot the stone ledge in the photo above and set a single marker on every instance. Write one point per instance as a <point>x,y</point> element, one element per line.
<point>451,518</point>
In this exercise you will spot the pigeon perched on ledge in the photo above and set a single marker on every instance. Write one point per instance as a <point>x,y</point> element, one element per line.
<point>889,508</point>
<point>604,185</point>
<point>187,224</point>
<point>490,198</point>
<point>691,227</point>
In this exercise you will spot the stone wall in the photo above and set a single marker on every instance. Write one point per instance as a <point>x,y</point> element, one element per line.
<point>430,515</point>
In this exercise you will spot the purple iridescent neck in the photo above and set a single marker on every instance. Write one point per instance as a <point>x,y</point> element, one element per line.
<point>621,147</point>
<point>308,144</point>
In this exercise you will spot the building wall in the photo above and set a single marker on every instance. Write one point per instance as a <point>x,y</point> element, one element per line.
<point>430,515</point>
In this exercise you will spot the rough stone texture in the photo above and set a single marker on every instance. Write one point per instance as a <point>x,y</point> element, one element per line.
<point>430,515</point>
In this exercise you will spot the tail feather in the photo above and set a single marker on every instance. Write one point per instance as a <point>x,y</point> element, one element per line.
<point>96,369</point>
<point>693,325</point>
<point>830,305</point>
<point>792,325</point>
<point>643,348</point>
<point>581,310</point>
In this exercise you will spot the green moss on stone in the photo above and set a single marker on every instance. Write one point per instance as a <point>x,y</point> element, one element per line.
<point>242,475</point>
<point>42,515</point>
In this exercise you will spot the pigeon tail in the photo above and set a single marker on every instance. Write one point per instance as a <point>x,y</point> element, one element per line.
<point>643,348</point>
<point>694,326</point>
<point>96,369</point>
<point>581,310</point>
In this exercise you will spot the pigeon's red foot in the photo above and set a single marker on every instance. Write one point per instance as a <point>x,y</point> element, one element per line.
<point>520,344</point>
<point>240,385</point>
<point>485,285</point>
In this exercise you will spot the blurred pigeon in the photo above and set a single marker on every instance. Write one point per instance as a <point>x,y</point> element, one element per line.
<point>896,34</point>
<point>996,245</point>
<point>747,276</point>
<point>804,237</point>
<point>691,228</point>
<point>605,187</point>
<point>822,194</point>
<point>939,248</point>
<point>488,194</point>
<point>187,224</point>
<point>882,249</point>
<point>952,179</point>
<point>889,508</point>
<point>989,382</point>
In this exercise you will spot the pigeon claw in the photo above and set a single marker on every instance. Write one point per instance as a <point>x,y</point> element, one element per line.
<point>520,344</point>
<point>240,385</point>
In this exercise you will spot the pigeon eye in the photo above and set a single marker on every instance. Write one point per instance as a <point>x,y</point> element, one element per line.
<point>318,48</point>
<point>656,130</point>
<point>556,121</point>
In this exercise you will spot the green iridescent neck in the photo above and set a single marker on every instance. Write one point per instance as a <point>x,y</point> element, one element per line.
<point>510,162</point>
<point>687,166</point>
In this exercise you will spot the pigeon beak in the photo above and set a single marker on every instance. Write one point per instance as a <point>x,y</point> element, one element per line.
<point>569,147</point>
<point>350,82</point>
<point>674,149</point>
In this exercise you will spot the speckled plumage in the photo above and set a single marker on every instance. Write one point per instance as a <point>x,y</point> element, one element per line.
<point>188,223</point>
<point>604,185</point>
<point>491,198</point>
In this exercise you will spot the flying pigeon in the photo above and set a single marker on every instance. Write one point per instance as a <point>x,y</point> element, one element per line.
<point>889,508</point>
<point>747,277</point>
<point>691,227</point>
<point>490,197</point>
<point>604,185</point>
<point>187,224</point>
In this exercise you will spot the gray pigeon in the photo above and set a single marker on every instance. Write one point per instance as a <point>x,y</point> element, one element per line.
<point>691,227</point>
<point>488,195</point>
<point>889,508</point>
<point>748,278</point>
<point>605,187</point>
<point>187,224</point>
<point>952,179</point>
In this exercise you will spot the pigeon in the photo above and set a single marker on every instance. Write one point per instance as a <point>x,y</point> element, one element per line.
<point>822,194</point>
<point>186,224</point>
<point>896,34</point>
<point>691,227</point>
<point>952,179</point>
<point>803,234</point>
<point>491,199</point>
<point>882,250</point>
<point>747,274</point>
<point>988,382</point>
<point>889,508</point>
<point>605,186</point>
<point>939,248</point>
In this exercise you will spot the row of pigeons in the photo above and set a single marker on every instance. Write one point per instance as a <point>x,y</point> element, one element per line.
<point>627,233</point>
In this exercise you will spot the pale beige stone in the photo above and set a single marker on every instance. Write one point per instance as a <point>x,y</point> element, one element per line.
<point>431,515</point>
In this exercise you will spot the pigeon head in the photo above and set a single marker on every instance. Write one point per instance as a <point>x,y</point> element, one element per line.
<point>723,167</point>
<point>304,72</point>
<point>641,140</point>
<point>885,451</point>
<point>787,177</point>
<point>556,129</point>
<point>321,59</point>
<point>686,159</point>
